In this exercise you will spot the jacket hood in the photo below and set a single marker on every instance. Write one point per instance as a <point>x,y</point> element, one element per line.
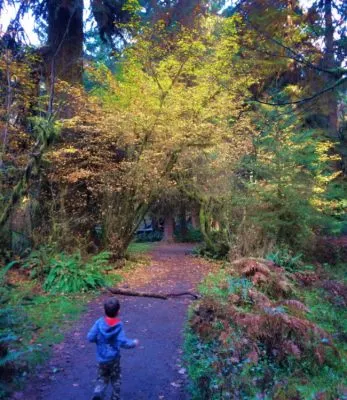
<point>109,330</point>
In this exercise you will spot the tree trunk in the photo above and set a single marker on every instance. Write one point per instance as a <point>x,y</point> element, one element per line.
<point>205,226</point>
<point>183,221</point>
<point>329,63</point>
<point>195,219</point>
<point>65,40</point>
<point>169,224</point>
<point>161,296</point>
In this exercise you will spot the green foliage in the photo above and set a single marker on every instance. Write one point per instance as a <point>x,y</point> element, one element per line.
<point>211,286</point>
<point>285,258</point>
<point>217,253</point>
<point>199,358</point>
<point>330,315</point>
<point>30,323</point>
<point>69,274</point>
<point>280,195</point>
<point>37,262</point>
<point>48,317</point>
<point>191,236</point>
<point>9,341</point>
<point>5,269</point>
<point>45,130</point>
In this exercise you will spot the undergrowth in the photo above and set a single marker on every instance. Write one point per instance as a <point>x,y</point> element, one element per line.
<point>257,334</point>
<point>35,322</point>
<point>69,273</point>
<point>40,297</point>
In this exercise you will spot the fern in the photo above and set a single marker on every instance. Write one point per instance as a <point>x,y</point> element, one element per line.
<point>284,258</point>
<point>257,341</point>
<point>38,260</point>
<point>5,269</point>
<point>69,274</point>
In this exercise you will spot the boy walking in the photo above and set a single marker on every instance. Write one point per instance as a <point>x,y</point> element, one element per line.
<point>109,336</point>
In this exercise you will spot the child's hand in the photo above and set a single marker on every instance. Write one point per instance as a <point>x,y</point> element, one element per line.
<point>136,341</point>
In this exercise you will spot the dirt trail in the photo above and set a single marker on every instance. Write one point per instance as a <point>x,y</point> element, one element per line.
<point>152,371</point>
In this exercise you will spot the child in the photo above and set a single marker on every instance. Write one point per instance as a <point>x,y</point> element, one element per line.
<point>109,336</point>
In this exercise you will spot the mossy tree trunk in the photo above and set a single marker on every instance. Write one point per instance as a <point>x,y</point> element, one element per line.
<point>205,225</point>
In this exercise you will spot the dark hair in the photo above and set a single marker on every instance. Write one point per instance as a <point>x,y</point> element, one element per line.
<point>111,307</point>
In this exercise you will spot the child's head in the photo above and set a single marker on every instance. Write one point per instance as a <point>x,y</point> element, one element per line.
<point>111,307</point>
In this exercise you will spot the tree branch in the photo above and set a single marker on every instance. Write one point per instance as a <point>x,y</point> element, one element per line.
<point>306,99</point>
<point>292,54</point>
<point>124,292</point>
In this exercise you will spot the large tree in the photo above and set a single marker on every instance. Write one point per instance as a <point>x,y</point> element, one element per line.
<point>63,22</point>
<point>65,39</point>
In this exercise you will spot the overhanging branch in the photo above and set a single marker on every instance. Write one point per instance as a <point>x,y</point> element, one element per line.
<point>306,99</point>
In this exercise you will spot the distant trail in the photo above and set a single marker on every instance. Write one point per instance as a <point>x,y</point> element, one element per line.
<point>154,370</point>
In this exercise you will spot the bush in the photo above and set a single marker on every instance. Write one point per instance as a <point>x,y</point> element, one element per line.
<point>38,261</point>
<point>9,352</point>
<point>220,251</point>
<point>192,236</point>
<point>155,236</point>
<point>69,274</point>
<point>9,341</point>
<point>246,341</point>
<point>284,192</point>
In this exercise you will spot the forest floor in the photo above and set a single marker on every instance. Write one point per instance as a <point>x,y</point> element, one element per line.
<point>155,369</point>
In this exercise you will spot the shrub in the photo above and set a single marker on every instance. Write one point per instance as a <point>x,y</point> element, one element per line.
<point>245,341</point>
<point>191,236</point>
<point>218,253</point>
<point>69,274</point>
<point>9,351</point>
<point>265,275</point>
<point>9,320</point>
<point>38,261</point>
<point>155,236</point>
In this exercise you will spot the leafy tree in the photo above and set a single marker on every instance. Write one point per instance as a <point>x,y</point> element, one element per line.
<point>171,101</point>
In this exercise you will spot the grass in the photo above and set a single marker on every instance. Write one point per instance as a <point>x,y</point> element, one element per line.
<point>330,317</point>
<point>139,248</point>
<point>46,318</point>
<point>40,321</point>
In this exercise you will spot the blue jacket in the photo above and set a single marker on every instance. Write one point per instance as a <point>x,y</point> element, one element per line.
<point>109,336</point>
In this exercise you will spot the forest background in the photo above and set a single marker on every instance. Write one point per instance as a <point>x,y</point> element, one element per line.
<point>233,113</point>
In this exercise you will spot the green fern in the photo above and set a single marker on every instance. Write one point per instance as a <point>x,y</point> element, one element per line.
<point>69,274</point>
<point>285,258</point>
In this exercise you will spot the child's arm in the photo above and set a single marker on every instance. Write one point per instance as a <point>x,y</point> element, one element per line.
<point>92,334</point>
<point>125,342</point>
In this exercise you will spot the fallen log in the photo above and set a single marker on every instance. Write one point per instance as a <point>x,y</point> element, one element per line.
<point>166,296</point>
